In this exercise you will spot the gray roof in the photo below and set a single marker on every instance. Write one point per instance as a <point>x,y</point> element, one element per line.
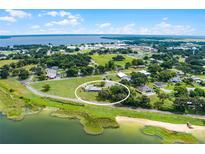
<point>145,89</point>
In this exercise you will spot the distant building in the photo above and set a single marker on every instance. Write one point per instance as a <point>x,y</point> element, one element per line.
<point>123,76</point>
<point>175,79</point>
<point>145,72</point>
<point>139,66</point>
<point>145,89</point>
<point>159,84</point>
<point>190,89</point>
<point>51,73</point>
<point>92,88</point>
<point>196,79</point>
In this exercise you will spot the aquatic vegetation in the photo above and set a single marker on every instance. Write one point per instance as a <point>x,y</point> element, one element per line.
<point>92,125</point>
<point>169,137</point>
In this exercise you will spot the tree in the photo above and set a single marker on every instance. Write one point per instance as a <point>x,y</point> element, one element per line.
<point>180,104</point>
<point>100,69</point>
<point>158,105</point>
<point>167,64</point>
<point>46,88</point>
<point>23,74</point>
<point>144,101</point>
<point>138,79</point>
<point>118,58</point>
<point>162,96</point>
<point>15,72</point>
<point>4,73</point>
<point>88,70</point>
<point>197,92</point>
<point>72,72</point>
<point>154,68</point>
<point>42,77</point>
<point>127,65</point>
<point>136,62</point>
<point>110,65</point>
<point>180,91</point>
<point>165,75</point>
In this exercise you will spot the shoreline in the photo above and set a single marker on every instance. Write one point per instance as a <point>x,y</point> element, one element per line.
<point>169,126</point>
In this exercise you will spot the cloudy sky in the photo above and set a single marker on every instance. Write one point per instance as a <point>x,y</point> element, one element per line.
<point>151,22</point>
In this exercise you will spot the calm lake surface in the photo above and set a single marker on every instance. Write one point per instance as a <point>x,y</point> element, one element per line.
<point>43,128</point>
<point>54,39</point>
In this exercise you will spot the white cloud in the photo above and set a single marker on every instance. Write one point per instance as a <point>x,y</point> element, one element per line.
<point>165,28</point>
<point>64,22</point>
<point>104,25</point>
<point>162,28</point>
<point>18,13</point>
<point>52,13</point>
<point>68,18</point>
<point>165,18</point>
<point>7,19</point>
<point>107,28</point>
<point>35,27</point>
<point>14,15</point>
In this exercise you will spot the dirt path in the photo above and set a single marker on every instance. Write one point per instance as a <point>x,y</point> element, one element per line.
<point>169,126</point>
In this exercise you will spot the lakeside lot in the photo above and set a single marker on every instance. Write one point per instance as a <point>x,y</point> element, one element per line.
<point>65,88</point>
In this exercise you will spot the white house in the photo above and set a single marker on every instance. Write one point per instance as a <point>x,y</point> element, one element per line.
<point>51,73</point>
<point>145,72</point>
<point>123,76</point>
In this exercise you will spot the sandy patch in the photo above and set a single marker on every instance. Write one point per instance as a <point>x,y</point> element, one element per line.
<point>169,126</point>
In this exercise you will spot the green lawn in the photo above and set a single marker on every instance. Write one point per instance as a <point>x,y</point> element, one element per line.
<point>104,58</point>
<point>201,76</point>
<point>65,88</point>
<point>6,62</point>
<point>88,96</point>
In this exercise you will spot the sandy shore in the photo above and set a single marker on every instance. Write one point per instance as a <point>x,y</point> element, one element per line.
<point>169,126</point>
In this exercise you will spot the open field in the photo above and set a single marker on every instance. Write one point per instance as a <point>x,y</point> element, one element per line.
<point>104,58</point>
<point>6,62</point>
<point>65,88</point>
<point>88,96</point>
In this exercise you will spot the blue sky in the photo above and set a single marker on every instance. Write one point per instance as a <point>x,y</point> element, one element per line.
<point>151,22</point>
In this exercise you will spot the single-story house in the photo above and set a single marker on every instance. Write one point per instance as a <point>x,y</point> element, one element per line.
<point>123,76</point>
<point>145,89</point>
<point>145,72</point>
<point>92,88</point>
<point>196,79</point>
<point>175,79</point>
<point>139,66</point>
<point>159,84</point>
<point>51,73</point>
<point>190,89</point>
<point>180,73</point>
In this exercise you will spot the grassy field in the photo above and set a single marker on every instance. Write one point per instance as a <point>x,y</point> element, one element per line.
<point>104,58</point>
<point>98,113</point>
<point>66,87</point>
<point>168,136</point>
<point>6,62</point>
<point>88,96</point>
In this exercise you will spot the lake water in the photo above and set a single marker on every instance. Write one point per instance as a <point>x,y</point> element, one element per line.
<point>43,128</point>
<point>54,39</point>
